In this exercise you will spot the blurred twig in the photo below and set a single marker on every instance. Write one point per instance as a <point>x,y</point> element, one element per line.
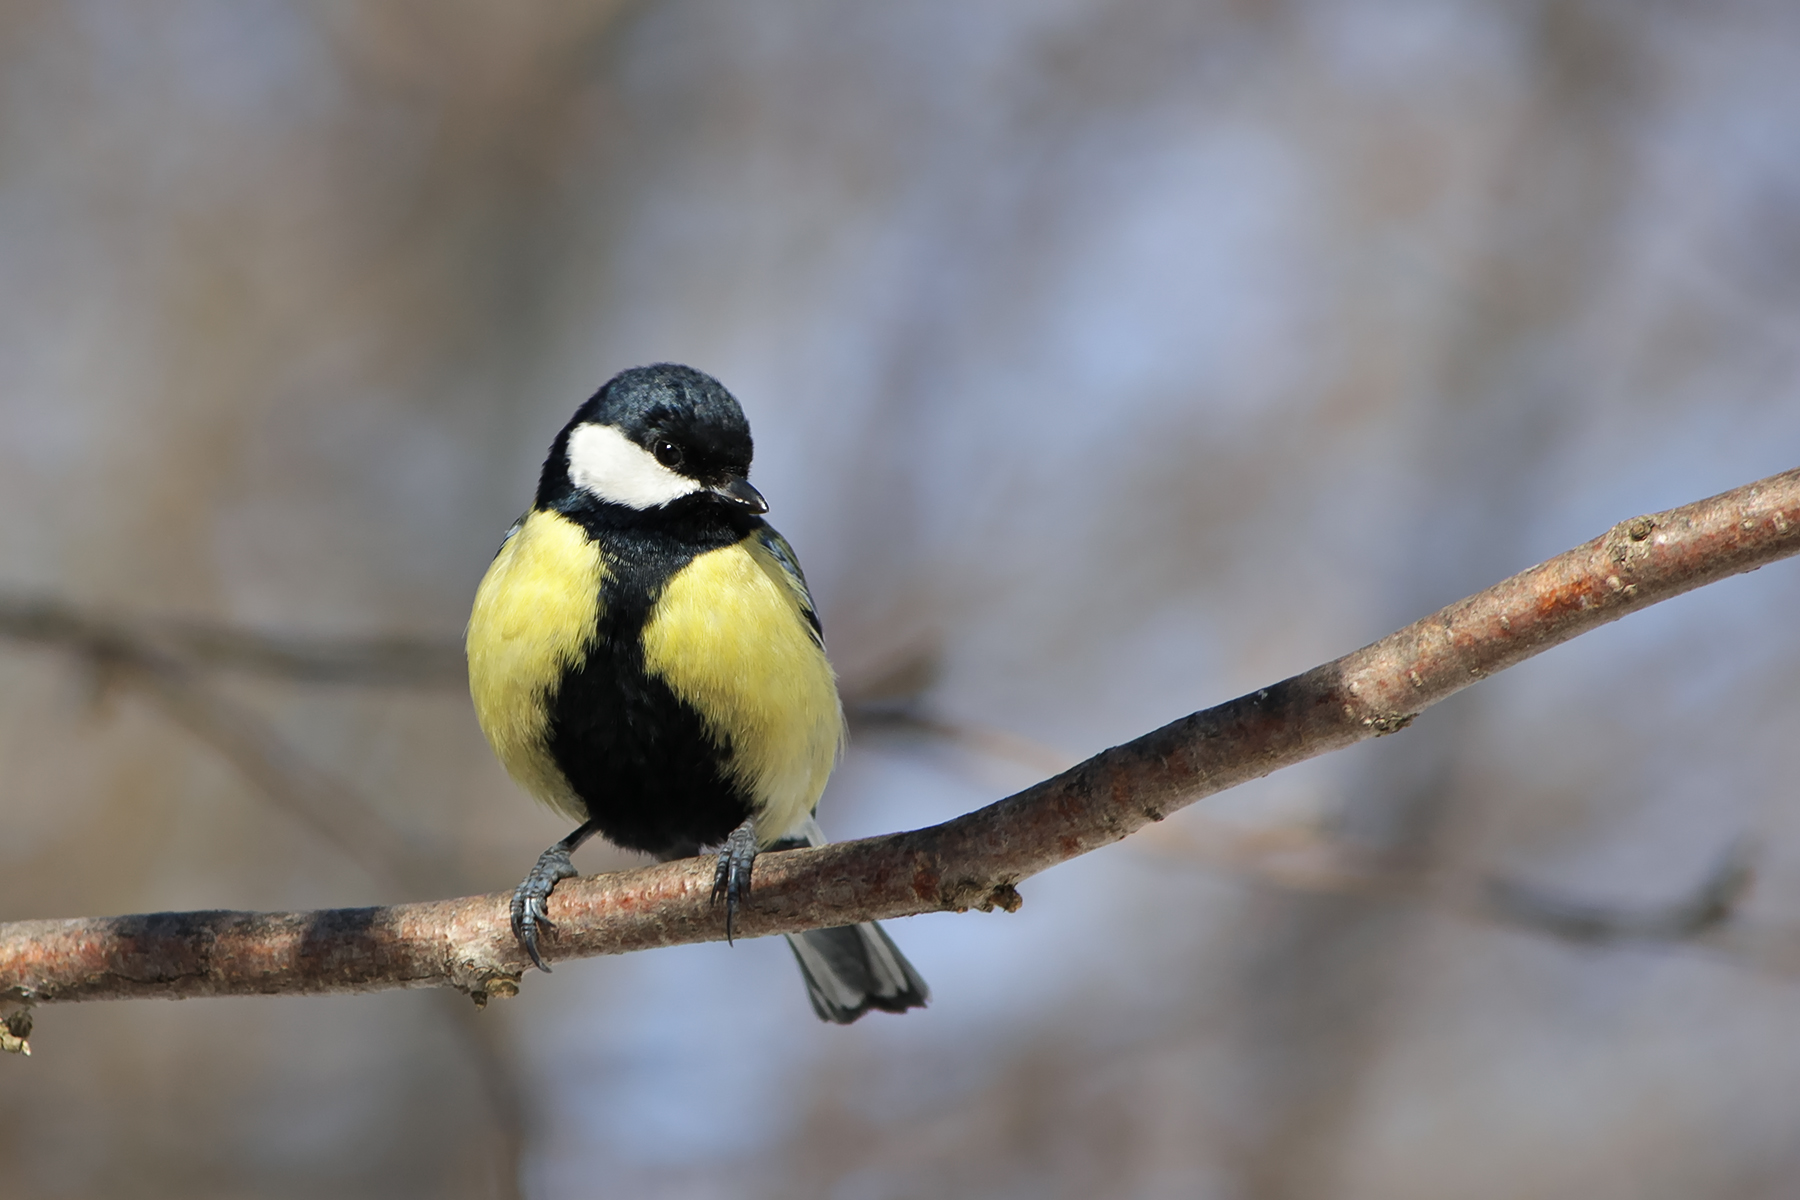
<point>983,739</point>
<point>161,662</point>
<point>1704,911</point>
<point>120,652</point>
<point>418,662</point>
<point>974,861</point>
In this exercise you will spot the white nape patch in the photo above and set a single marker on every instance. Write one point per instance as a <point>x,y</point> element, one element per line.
<point>609,465</point>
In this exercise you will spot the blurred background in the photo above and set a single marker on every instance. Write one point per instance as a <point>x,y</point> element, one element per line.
<point>1107,359</point>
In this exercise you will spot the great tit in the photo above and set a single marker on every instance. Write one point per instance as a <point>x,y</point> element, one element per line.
<point>644,658</point>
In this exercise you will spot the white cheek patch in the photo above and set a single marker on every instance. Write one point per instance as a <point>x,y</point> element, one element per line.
<point>607,464</point>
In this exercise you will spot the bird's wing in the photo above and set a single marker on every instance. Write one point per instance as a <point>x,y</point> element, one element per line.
<point>783,554</point>
<point>510,530</point>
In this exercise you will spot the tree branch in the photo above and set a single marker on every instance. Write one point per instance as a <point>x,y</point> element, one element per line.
<point>973,861</point>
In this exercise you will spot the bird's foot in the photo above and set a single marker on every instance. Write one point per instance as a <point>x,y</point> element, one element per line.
<point>528,899</point>
<point>731,879</point>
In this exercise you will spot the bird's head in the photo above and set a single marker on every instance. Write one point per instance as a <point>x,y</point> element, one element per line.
<point>651,437</point>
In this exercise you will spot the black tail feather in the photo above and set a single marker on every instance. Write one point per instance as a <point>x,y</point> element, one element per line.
<point>853,968</point>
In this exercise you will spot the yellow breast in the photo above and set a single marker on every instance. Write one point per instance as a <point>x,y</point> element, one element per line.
<point>534,615</point>
<point>730,637</point>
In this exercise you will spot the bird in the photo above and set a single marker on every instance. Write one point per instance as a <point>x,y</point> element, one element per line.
<point>645,658</point>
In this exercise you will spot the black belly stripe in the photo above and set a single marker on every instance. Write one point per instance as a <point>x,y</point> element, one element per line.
<point>638,756</point>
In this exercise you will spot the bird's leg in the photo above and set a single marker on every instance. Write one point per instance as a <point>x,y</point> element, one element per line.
<point>528,898</point>
<point>731,879</point>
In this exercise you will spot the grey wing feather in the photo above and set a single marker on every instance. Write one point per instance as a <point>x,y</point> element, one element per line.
<point>510,530</point>
<point>778,546</point>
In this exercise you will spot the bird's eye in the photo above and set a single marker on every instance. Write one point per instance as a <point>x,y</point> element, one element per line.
<point>668,453</point>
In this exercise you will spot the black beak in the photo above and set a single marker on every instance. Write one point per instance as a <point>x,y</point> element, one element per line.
<point>740,493</point>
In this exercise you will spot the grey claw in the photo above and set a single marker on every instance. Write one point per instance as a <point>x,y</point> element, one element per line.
<point>731,877</point>
<point>527,915</point>
<point>529,912</point>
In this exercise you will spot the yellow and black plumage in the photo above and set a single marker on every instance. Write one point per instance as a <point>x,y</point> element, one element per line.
<point>645,659</point>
